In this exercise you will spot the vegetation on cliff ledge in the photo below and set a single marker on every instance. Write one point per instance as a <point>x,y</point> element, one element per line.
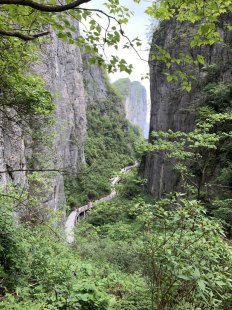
<point>110,145</point>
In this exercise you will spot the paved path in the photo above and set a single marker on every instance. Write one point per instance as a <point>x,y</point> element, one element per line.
<point>74,215</point>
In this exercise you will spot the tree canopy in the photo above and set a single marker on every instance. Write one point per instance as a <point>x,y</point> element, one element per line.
<point>29,20</point>
<point>203,18</point>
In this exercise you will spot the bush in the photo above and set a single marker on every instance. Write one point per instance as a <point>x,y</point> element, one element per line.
<point>171,243</point>
<point>218,96</point>
<point>186,261</point>
<point>38,270</point>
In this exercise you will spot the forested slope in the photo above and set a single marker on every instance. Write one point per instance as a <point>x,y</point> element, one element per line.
<point>111,139</point>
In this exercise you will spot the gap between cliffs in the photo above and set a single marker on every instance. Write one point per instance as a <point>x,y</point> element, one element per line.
<point>78,212</point>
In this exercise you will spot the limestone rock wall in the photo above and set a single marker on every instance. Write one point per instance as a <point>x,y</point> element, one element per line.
<point>61,67</point>
<point>95,81</point>
<point>99,90</point>
<point>12,152</point>
<point>62,70</point>
<point>172,108</point>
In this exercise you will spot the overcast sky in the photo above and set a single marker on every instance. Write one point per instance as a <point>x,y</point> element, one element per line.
<point>137,27</point>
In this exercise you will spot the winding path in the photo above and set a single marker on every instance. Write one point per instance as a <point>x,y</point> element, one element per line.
<point>75,214</point>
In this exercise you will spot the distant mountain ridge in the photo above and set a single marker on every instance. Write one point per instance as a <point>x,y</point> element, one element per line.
<point>135,100</point>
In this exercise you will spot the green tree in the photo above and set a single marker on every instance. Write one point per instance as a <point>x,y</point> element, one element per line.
<point>171,243</point>
<point>200,22</point>
<point>29,20</point>
<point>179,251</point>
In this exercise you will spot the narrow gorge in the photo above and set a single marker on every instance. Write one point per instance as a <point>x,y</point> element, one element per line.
<point>111,197</point>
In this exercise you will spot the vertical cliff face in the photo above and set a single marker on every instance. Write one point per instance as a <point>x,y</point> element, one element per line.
<point>12,152</point>
<point>62,68</point>
<point>95,81</point>
<point>25,147</point>
<point>172,108</point>
<point>136,104</point>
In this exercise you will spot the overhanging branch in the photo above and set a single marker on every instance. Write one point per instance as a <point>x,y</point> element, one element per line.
<point>120,28</point>
<point>43,7</point>
<point>22,36</point>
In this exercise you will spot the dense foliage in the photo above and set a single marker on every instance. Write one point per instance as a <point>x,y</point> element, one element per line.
<point>131,253</point>
<point>171,243</point>
<point>21,92</point>
<point>30,20</point>
<point>39,271</point>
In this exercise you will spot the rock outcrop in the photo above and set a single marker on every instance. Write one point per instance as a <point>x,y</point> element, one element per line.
<point>98,88</point>
<point>95,81</point>
<point>61,67</point>
<point>172,108</point>
<point>12,152</point>
<point>136,103</point>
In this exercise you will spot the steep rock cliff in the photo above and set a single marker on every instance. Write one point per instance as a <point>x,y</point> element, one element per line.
<point>25,147</point>
<point>12,152</point>
<point>98,88</point>
<point>136,104</point>
<point>95,81</point>
<point>172,108</point>
<point>62,69</point>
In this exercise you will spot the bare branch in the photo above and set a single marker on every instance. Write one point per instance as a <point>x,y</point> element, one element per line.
<point>43,7</point>
<point>22,36</point>
<point>120,28</point>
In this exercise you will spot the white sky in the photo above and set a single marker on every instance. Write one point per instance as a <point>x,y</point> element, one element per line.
<point>137,27</point>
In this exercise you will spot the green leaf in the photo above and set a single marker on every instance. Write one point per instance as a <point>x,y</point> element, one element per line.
<point>201,285</point>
